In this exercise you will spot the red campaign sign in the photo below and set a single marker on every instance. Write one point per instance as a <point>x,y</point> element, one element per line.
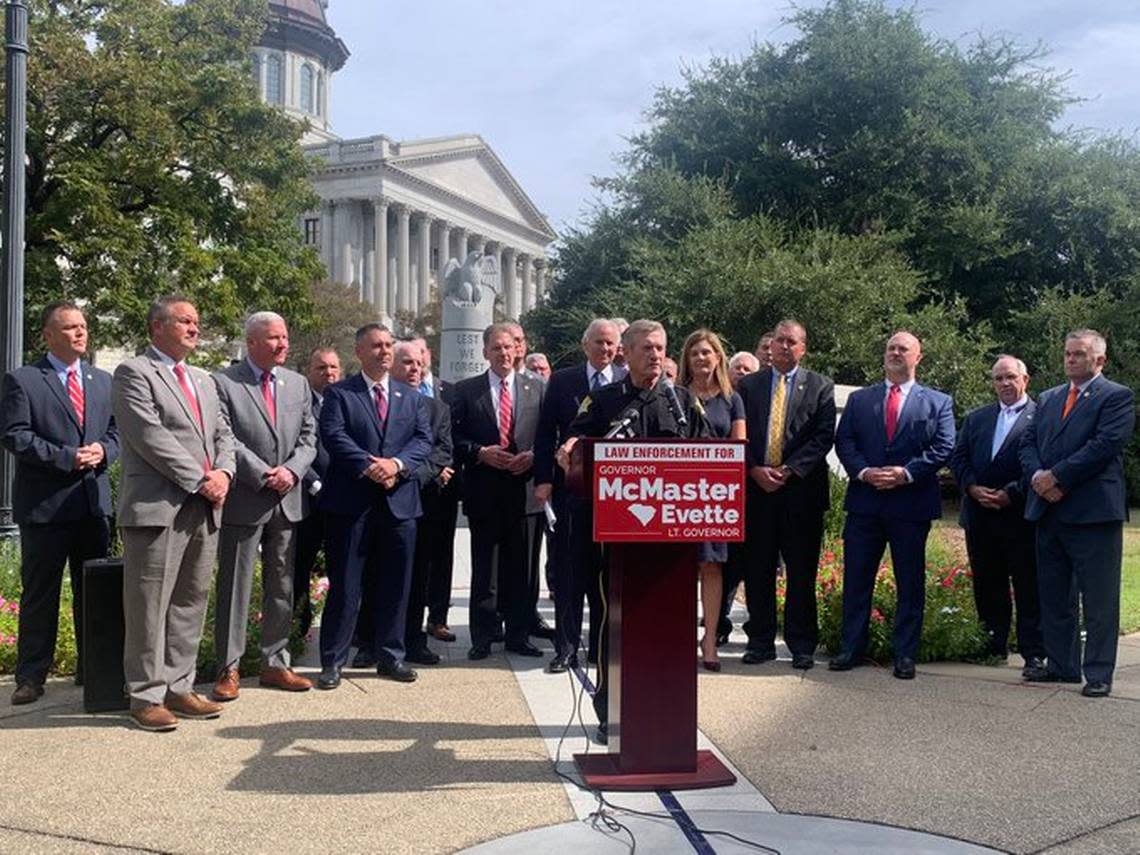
<point>661,492</point>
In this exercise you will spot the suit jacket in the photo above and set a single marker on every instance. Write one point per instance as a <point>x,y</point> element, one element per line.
<point>1085,452</point>
<point>164,449</point>
<point>260,445</point>
<point>427,473</point>
<point>923,441</point>
<point>972,464</point>
<point>565,391</point>
<point>809,432</point>
<point>351,432</point>
<point>41,430</point>
<point>319,466</point>
<point>488,491</point>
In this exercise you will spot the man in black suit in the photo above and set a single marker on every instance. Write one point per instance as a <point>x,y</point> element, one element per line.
<point>999,540</point>
<point>1072,452</point>
<point>432,477</point>
<point>322,370</point>
<point>661,412</point>
<point>790,413</point>
<point>445,517</point>
<point>377,433</point>
<point>493,420</point>
<point>57,423</point>
<point>577,559</point>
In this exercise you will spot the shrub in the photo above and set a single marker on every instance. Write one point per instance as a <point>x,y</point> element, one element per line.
<point>950,626</point>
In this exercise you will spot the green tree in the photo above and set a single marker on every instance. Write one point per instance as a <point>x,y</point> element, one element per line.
<point>153,167</point>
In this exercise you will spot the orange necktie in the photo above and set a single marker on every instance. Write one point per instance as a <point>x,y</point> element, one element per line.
<point>1070,402</point>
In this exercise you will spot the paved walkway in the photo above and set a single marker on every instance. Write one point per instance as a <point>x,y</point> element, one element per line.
<point>961,759</point>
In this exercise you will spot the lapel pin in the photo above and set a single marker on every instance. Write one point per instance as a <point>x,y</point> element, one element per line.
<point>398,394</point>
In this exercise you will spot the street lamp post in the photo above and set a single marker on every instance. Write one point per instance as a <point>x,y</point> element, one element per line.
<point>12,304</point>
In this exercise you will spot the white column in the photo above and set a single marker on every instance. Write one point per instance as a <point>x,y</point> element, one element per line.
<point>424,282</point>
<point>540,279</point>
<point>443,247</point>
<point>507,278</point>
<point>527,302</point>
<point>346,263</point>
<point>328,211</point>
<point>380,259</point>
<point>368,277</point>
<point>462,244</point>
<point>403,282</point>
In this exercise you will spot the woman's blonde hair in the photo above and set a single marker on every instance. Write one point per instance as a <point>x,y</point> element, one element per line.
<point>720,373</point>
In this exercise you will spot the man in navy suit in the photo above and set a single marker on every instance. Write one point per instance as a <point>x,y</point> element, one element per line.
<point>577,559</point>
<point>57,423</point>
<point>493,420</point>
<point>321,370</point>
<point>377,433</point>
<point>790,431</point>
<point>999,540</point>
<point>893,438</point>
<point>1072,453</point>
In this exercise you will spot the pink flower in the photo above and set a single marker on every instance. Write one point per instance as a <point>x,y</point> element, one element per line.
<point>877,616</point>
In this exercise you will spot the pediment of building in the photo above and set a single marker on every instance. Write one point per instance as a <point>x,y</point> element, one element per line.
<point>466,167</point>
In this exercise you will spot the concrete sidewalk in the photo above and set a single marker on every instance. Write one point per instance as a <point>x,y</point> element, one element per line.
<point>963,758</point>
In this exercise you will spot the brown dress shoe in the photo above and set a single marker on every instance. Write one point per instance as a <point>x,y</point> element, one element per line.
<point>155,718</point>
<point>192,705</point>
<point>27,693</point>
<point>227,687</point>
<point>285,679</point>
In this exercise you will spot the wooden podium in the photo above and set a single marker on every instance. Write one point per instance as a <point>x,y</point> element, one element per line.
<point>654,501</point>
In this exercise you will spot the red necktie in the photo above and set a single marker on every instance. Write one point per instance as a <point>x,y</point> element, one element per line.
<point>1070,402</point>
<point>894,397</point>
<point>504,414</point>
<point>192,400</point>
<point>381,404</point>
<point>75,392</point>
<point>267,394</point>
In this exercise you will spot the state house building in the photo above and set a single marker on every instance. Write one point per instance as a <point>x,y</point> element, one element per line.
<point>394,211</point>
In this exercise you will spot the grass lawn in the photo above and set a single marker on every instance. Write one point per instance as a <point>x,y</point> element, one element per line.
<point>1130,582</point>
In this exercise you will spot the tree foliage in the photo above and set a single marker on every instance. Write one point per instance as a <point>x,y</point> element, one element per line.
<point>153,167</point>
<point>862,176</point>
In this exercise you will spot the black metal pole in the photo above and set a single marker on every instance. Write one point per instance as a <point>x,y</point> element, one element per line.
<point>15,134</point>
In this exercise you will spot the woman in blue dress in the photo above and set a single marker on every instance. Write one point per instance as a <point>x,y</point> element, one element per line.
<point>704,372</point>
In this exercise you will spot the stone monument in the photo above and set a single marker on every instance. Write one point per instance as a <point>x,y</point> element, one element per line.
<point>469,292</point>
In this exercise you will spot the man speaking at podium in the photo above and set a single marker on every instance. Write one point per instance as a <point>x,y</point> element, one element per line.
<point>644,404</point>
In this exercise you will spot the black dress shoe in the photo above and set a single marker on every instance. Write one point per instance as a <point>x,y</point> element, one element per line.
<point>479,651</point>
<point>364,659</point>
<point>803,661</point>
<point>398,671</point>
<point>843,662</point>
<point>1032,664</point>
<point>27,693</point>
<point>562,664</point>
<point>541,629</point>
<point>329,677</point>
<point>1096,689</point>
<point>524,648</point>
<point>602,735</point>
<point>904,668</point>
<point>755,657</point>
<point>421,656</point>
<point>1041,674</point>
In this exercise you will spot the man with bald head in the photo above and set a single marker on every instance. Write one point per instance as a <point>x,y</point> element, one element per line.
<point>998,538</point>
<point>892,439</point>
<point>275,439</point>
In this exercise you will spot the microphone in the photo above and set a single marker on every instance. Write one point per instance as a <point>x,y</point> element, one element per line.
<point>620,425</point>
<point>675,403</point>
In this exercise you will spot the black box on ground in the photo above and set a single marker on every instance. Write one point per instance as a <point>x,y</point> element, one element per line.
<point>104,686</point>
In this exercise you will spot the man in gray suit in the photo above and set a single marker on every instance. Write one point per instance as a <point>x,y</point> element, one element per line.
<point>178,461</point>
<point>269,411</point>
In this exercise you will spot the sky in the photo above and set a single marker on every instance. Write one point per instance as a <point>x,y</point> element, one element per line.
<point>556,88</point>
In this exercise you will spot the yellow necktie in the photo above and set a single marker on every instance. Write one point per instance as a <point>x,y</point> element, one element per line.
<point>776,424</point>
